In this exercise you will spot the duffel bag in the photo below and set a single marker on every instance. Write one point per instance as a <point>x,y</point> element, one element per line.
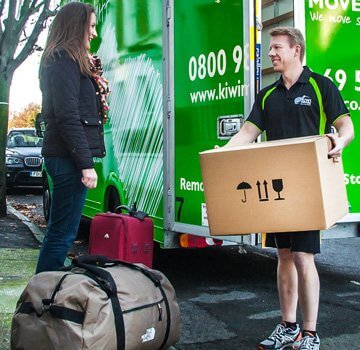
<point>97,304</point>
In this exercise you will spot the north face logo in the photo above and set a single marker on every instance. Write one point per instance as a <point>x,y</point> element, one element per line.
<point>303,100</point>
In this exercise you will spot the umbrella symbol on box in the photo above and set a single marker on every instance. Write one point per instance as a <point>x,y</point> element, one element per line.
<point>244,186</point>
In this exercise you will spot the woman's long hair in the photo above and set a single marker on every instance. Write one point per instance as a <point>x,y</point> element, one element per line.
<point>67,32</point>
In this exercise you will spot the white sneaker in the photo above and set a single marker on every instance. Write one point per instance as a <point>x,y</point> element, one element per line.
<point>309,342</point>
<point>281,338</point>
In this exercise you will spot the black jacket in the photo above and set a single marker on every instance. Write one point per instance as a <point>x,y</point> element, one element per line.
<point>71,109</point>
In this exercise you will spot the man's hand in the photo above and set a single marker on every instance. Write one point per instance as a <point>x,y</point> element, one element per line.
<point>247,134</point>
<point>337,147</point>
<point>89,178</point>
<point>339,141</point>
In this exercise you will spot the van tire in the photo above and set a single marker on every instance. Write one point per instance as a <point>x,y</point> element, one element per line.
<point>46,198</point>
<point>113,200</point>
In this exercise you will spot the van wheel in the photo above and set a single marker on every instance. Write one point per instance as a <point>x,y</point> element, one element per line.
<point>113,201</point>
<point>46,199</point>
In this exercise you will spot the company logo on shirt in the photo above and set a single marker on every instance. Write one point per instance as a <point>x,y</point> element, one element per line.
<point>303,100</point>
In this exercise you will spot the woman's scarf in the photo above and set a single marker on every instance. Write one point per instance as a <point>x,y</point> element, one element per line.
<point>102,83</point>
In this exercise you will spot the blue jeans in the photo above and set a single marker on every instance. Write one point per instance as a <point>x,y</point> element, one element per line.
<point>67,201</point>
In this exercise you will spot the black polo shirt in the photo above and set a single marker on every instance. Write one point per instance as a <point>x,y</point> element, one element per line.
<point>308,108</point>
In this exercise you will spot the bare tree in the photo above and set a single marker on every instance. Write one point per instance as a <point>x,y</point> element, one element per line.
<point>21,22</point>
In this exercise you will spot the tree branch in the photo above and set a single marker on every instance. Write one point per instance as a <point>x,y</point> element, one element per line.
<point>25,7</point>
<point>2,4</point>
<point>11,13</point>
<point>10,39</point>
<point>30,43</point>
<point>7,40</point>
<point>27,12</point>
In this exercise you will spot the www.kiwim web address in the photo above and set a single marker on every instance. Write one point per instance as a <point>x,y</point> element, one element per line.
<point>223,92</point>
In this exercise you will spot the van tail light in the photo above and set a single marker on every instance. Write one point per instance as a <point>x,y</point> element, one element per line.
<point>192,241</point>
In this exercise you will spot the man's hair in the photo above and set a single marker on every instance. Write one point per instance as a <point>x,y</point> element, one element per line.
<point>67,32</point>
<point>295,37</point>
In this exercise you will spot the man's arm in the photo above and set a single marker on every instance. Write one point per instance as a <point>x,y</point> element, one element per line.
<point>247,134</point>
<point>345,129</point>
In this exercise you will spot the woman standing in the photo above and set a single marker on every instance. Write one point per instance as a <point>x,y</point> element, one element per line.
<point>74,109</point>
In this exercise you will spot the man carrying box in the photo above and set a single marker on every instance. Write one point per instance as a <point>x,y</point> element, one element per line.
<point>300,103</point>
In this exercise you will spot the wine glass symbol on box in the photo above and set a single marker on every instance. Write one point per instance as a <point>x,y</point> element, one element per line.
<point>277,185</point>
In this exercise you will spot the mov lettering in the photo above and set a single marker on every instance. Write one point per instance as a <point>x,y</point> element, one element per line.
<point>335,4</point>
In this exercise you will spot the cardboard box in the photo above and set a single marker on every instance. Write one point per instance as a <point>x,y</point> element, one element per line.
<point>275,186</point>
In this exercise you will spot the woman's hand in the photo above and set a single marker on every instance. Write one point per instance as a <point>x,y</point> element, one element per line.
<point>89,178</point>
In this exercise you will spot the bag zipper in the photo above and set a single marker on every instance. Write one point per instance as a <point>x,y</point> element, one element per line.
<point>157,303</point>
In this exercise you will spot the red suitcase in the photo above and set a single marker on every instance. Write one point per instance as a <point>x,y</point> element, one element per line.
<point>127,237</point>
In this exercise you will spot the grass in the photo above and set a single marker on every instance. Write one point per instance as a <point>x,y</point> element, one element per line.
<point>16,268</point>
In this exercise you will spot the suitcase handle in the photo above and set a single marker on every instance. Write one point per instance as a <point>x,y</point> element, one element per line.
<point>132,211</point>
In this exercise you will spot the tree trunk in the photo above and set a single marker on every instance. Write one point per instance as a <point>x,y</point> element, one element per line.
<point>15,17</point>
<point>4,114</point>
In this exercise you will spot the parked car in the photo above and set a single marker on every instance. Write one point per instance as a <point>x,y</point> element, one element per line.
<point>23,159</point>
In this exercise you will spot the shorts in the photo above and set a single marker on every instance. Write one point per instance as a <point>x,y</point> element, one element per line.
<point>302,241</point>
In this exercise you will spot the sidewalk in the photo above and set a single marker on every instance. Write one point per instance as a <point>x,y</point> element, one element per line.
<point>16,231</point>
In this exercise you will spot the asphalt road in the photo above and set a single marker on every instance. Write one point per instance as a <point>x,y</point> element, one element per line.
<point>229,300</point>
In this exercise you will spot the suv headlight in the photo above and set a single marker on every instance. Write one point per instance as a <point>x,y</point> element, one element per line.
<point>12,160</point>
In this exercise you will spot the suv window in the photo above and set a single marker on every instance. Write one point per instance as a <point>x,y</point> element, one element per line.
<point>24,139</point>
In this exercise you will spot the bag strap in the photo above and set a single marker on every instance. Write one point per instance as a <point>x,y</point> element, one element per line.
<point>48,302</point>
<point>103,261</point>
<point>168,318</point>
<point>107,283</point>
<point>132,211</point>
<point>56,311</point>
<point>96,261</point>
<point>61,312</point>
